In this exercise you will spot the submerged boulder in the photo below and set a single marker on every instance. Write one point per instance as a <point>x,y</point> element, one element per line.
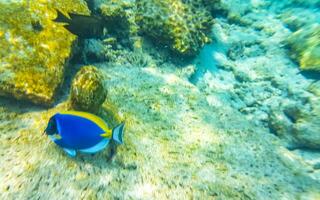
<point>307,126</point>
<point>305,47</point>
<point>87,91</point>
<point>307,131</point>
<point>34,49</point>
<point>298,126</point>
<point>180,26</point>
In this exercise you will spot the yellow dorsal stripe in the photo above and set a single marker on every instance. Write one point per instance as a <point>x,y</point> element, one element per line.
<point>107,134</point>
<point>97,120</point>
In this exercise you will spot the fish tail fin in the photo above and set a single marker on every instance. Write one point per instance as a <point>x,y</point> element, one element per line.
<point>61,17</point>
<point>117,133</point>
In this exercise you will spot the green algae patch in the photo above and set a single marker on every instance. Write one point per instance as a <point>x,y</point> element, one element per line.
<point>305,47</point>
<point>34,49</point>
<point>180,26</point>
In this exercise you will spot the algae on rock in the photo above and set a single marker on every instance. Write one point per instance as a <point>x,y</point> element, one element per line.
<point>305,47</point>
<point>176,24</point>
<point>210,5</point>
<point>298,126</point>
<point>307,126</point>
<point>34,49</point>
<point>88,91</point>
<point>120,18</point>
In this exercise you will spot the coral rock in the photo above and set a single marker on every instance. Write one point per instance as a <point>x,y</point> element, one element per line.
<point>120,19</point>
<point>298,126</point>
<point>34,49</point>
<point>88,91</point>
<point>307,127</point>
<point>305,47</point>
<point>180,26</point>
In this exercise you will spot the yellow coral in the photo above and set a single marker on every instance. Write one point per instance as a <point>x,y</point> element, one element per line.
<point>35,59</point>
<point>183,27</point>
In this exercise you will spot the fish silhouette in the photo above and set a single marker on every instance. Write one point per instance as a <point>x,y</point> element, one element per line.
<point>84,26</point>
<point>83,132</point>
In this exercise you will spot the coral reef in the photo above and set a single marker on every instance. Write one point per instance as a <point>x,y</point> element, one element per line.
<point>207,139</point>
<point>120,18</point>
<point>90,51</point>
<point>34,50</point>
<point>212,6</point>
<point>234,10</point>
<point>173,23</point>
<point>305,47</point>
<point>87,90</point>
<point>278,98</point>
<point>117,55</point>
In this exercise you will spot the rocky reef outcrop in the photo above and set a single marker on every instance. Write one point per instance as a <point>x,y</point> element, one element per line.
<point>298,126</point>
<point>180,26</point>
<point>305,47</point>
<point>302,19</point>
<point>306,128</point>
<point>34,50</point>
<point>120,18</point>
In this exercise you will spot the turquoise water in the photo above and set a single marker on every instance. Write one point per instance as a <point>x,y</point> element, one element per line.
<point>219,99</point>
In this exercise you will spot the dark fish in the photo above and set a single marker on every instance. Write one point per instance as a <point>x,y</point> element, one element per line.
<point>82,25</point>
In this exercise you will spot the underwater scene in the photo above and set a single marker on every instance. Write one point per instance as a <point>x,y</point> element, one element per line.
<point>160,99</point>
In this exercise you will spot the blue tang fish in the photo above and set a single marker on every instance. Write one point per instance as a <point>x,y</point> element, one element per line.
<point>81,131</point>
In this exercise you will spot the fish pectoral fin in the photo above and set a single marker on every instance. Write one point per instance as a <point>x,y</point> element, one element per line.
<point>70,152</point>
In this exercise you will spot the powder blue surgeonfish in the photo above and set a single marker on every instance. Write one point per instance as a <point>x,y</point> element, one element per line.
<point>81,131</point>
